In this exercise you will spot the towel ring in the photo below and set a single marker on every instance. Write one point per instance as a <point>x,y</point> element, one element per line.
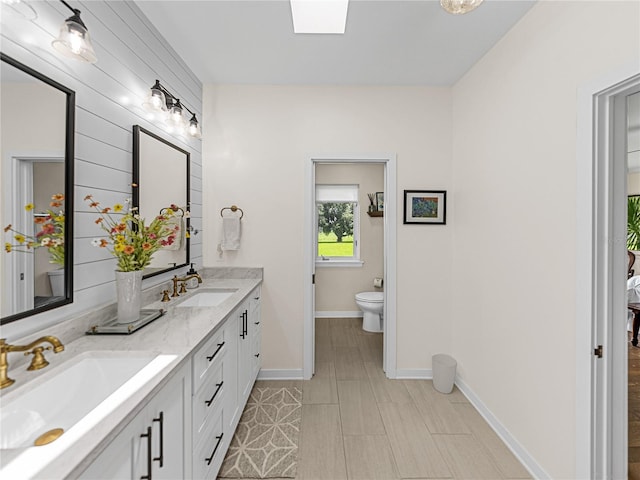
<point>162,210</point>
<point>233,208</point>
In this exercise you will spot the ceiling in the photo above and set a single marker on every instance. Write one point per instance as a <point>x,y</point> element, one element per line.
<point>386,42</point>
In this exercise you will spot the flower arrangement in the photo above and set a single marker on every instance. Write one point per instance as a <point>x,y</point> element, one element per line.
<point>50,235</point>
<point>130,239</point>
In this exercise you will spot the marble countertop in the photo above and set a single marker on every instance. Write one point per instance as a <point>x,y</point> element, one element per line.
<point>178,332</point>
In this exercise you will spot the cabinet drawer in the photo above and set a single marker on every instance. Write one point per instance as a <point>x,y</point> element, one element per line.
<point>209,451</point>
<point>207,357</point>
<point>208,399</point>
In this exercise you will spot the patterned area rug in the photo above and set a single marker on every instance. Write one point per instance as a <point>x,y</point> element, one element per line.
<point>265,444</point>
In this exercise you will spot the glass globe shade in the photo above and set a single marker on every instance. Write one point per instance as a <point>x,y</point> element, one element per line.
<point>459,7</point>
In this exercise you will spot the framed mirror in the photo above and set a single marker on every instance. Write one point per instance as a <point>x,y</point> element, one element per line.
<point>36,176</point>
<point>161,172</point>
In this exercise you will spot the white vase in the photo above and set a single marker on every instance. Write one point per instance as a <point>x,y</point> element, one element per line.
<point>128,295</point>
<point>56,280</point>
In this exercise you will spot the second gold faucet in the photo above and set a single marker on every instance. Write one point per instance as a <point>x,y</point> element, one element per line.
<point>176,279</point>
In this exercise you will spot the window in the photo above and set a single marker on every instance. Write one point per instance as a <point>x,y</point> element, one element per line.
<point>337,221</point>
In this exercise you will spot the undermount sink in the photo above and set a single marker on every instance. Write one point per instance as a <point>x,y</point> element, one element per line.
<point>74,398</point>
<point>208,297</point>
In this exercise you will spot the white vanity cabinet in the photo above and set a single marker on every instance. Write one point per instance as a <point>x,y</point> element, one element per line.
<point>153,444</point>
<point>235,368</point>
<point>185,430</point>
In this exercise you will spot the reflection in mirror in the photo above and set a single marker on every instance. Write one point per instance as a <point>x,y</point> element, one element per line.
<point>36,176</point>
<point>161,174</point>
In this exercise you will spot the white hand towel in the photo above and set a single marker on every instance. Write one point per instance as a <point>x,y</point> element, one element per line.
<point>230,233</point>
<point>179,233</point>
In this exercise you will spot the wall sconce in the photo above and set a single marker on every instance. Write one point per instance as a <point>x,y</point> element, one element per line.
<point>168,106</point>
<point>459,7</point>
<point>73,40</point>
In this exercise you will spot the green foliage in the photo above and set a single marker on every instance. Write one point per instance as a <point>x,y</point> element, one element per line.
<point>336,218</point>
<point>633,223</point>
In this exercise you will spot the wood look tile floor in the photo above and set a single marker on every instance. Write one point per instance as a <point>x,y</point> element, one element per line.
<point>358,424</point>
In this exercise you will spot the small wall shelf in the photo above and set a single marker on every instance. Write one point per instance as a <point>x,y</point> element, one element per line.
<point>376,214</point>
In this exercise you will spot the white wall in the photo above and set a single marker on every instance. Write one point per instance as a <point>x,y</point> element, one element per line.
<point>514,138</point>
<point>336,287</point>
<point>258,141</point>
<point>131,56</point>
<point>633,183</point>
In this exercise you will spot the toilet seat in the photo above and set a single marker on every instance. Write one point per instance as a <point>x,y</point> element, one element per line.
<point>370,297</point>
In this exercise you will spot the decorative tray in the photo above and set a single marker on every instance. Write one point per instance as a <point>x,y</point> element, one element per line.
<point>112,327</point>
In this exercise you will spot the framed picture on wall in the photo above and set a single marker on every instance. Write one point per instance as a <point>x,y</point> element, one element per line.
<point>380,201</point>
<point>425,207</point>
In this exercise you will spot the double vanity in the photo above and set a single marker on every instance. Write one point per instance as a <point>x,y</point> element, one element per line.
<point>162,402</point>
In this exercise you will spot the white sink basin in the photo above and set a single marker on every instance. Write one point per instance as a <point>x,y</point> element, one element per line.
<point>209,297</point>
<point>76,396</point>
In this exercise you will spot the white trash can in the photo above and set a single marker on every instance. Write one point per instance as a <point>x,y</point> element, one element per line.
<point>444,372</point>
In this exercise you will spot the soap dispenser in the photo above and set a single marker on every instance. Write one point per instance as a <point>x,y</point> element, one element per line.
<point>193,281</point>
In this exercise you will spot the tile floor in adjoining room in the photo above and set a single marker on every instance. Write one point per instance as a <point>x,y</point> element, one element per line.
<point>357,424</point>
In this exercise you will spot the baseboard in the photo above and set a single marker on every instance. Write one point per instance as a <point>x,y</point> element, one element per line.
<point>512,444</point>
<point>328,314</point>
<point>414,374</point>
<point>280,374</point>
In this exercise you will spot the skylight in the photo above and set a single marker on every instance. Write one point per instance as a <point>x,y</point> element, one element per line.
<point>319,16</point>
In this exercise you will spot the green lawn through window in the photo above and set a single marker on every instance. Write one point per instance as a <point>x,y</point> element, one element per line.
<point>329,247</point>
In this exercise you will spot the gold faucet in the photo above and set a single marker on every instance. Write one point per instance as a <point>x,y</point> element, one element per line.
<point>175,281</point>
<point>34,348</point>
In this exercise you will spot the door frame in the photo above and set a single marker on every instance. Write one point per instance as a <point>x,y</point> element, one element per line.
<point>389,220</point>
<point>601,394</point>
<point>17,186</point>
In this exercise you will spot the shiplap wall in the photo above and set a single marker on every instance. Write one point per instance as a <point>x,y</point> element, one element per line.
<point>131,55</point>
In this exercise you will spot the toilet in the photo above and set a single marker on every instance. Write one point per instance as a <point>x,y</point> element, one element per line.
<point>371,304</point>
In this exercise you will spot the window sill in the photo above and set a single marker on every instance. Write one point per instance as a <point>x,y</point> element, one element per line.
<point>339,263</point>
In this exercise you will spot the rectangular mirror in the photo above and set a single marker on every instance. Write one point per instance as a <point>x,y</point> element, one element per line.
<point>161,172</point>
<point>36,175</point>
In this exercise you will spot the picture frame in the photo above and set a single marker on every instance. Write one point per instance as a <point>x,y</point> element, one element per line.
<point>425,207</point>
<point>380,201</point>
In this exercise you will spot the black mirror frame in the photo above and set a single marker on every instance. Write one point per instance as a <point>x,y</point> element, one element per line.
<point>69,159</point>
<point>137,129</point>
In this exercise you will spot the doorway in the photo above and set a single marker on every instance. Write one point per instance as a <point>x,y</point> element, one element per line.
<point>633,359</point>
<point>601,363</point>
<point>389,256</point>
<point>31,179</point>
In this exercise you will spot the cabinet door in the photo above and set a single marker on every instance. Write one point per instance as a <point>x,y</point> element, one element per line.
<point>255,329</point>
<point>156,435</point>
<point>166,416</point>
<point>244,355</point>
<point>124,458</point>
